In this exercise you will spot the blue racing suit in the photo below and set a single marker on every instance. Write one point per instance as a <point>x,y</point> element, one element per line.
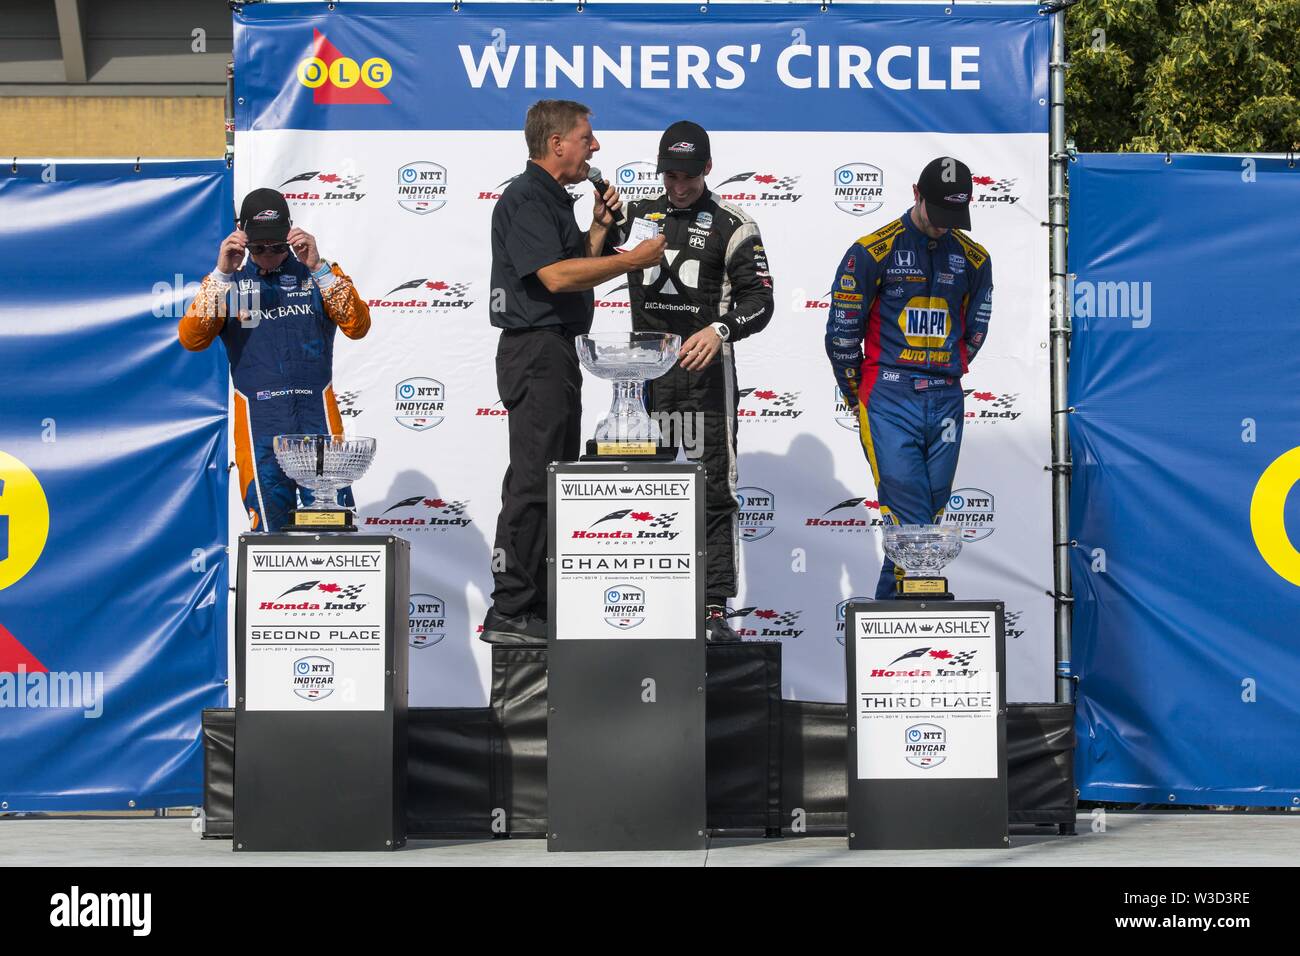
<point>281,363</point>
<point>908,313</point>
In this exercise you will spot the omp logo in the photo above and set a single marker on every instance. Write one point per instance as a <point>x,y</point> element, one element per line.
<point>24,520</point>
<point>338,80</point>
<point>1267,516</point>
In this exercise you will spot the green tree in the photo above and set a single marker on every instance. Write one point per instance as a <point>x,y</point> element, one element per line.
<point>1184,75</point>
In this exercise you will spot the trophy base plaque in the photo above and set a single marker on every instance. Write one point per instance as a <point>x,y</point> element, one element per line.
<point>925,589</point>
<point>628,451</point>
<point>316,520</point>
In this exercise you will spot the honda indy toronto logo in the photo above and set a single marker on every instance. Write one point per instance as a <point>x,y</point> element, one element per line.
<point>423,296</point>
<point>929,661</point>
<point>419,403</point>
<point>638,180</point>
<point>497,410</point>
<point>757,516</point>
<point>313,677</point>
<point>842,613</point>
<point>759,189</point>
<point>317,599</point>
<point>972,510</point>
<point>624,606</point>
<point>630,524</point>
<point>765,623</point>
<point>852,515</point>
<point>1011,624</point>
<point>991,408</point>
<point>422,187</point>
<point>767,405</point>
<point>323,188</point>
<point>993,191</point>
<point>925,745</point>
<point>421,513</point>
<point>426,620</point>
<point>859,188</point>
<point>495,193</point>
<point>615,301</point>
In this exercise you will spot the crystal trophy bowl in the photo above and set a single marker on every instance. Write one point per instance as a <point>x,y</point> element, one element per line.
<point>922,551</point>
<point>323,464</point>
<point>628,359</point>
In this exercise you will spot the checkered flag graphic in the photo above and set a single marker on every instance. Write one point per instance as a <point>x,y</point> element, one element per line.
<point>662,521</point>
<point>345,183</point>
<point>1002,186</point>
<point>785,399</point>
<point>785,182</point>
<point>1005,401</point>
<point>346,399</point>
<point>455,507</point>
<point>786,618</point>
<point>961,659</point>
<point>349,593</point>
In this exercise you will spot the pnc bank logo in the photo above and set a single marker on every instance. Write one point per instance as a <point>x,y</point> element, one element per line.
<point>338,80</point>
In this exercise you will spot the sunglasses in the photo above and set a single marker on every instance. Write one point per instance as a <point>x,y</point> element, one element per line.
<point>267,248</point>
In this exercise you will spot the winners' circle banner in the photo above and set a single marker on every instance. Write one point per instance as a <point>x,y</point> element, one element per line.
<point>393,128</point>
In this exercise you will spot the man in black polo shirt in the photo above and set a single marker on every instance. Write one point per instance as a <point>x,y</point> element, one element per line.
<point>543,270</point>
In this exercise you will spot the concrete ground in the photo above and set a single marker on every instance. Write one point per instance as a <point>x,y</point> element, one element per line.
<point>1128,839</point>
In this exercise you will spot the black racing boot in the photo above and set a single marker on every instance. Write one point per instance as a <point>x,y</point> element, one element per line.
<point>717,630</point>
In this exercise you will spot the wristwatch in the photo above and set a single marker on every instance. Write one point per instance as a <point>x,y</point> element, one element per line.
<point>724,333</point>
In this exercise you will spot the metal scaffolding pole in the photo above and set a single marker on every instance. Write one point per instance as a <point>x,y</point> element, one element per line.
<point>1063,594</point>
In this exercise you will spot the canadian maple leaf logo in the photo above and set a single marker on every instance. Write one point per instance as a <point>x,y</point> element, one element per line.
<point>941,655</point>
<point>982,180</point>
<point>764,393</point>
<point>985,396</point>
<point>436,286</point>
<point>766,179</point>
<point>434,503</point>
<point>642,515</point>
<point>868,503</point>
<point>328,177</point>
<point>331,588</point>
<point>765,614</point>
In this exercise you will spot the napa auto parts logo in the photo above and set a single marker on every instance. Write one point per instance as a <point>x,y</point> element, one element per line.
<point>757,517</point>
<point>630,524</point>
<point>624,606</point>
<point>422,187</point>
<point>323,187</point>
<point>859,188</point>
<point>338,80</point>
<point>841,615</point>
<point>972,510</point>
<point>767,623</point>
<point>759,189</point>
<point>317,598</point>
<point>313,677</point>
<point>992,191</point>
<point>767,405</point>
<point>419,403</point>
<point>989,408</point>
<point>638,180</point>
<point>423,296</point>
<point>852,515</point>
<point>421,513</point>
<point>427,620</point>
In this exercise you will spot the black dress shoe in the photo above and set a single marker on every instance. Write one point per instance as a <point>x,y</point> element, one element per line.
<point>716,628</point>
<point>524,629</point>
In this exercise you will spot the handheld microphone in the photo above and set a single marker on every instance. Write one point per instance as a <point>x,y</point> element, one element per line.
<point>594,177</point>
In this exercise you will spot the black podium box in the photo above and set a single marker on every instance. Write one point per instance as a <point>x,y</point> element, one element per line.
<point>626,657</point>
<point>927,744</point>
<point>321,650</point>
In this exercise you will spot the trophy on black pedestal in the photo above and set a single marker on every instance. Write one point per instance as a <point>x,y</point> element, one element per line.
<point>922,550</point>
<point>628,359</point>
<point>323,463</point>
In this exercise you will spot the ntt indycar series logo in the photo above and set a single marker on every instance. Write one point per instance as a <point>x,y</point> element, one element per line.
<point>323,188</point>
<point>759,189</point>
<point>631,524</point>
<point>427,620</point>
<point>423,296</point>
<point>841,616</point>
<point>859,188</point>
<point>421,513</point>
<point>422,187</point>
<point>419,403</point>
<point>624,606</point>
<point>925,745</point>
<point>313,677</point>
<point>757,516</point>
<point>638,180</point>
<point>973,511</point>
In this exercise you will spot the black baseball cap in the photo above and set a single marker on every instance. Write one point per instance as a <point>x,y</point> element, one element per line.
<point>265,215</point>
<point>685,147</point>
<point>945,185</point>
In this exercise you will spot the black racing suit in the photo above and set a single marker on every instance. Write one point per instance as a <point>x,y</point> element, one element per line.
<point>714,270</point>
